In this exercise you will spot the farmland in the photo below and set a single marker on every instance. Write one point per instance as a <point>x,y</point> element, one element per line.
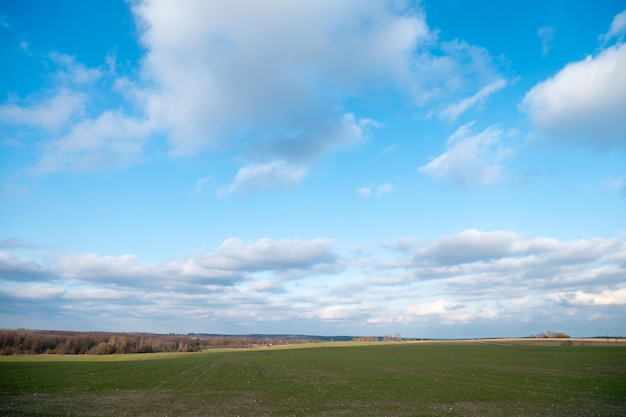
<point>378,379</point>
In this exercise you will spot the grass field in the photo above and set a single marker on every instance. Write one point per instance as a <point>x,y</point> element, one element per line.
<point>406,379</point>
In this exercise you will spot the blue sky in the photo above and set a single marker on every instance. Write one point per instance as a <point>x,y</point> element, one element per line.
<point>436,168</point>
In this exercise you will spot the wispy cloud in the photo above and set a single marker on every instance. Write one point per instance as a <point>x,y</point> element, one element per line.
<point>470,159</point>
<point>617,29</point>
<point>453,111</point>
<point>363,191</point>
<point>546,35</point>
<point>5,23</point>
<point>383,189</point>
<point>377,190</point>
<point>111,141</point>
<point>260,177</point>
<point>52,113</point>
<point>616,184</point>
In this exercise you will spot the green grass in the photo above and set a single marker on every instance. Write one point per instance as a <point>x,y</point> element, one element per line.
<point>429,379</point>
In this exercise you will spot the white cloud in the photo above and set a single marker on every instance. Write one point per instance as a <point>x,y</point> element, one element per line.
<point>24,46</point>
<point>616,184</point>
<point>39,291</point>
<point>453,111</point>
<point>223,75</point>
<point>111,140</point>
<point>77,142</point>
<point>309,142</point>
<point>13,268</point>
<point>15,243</point>
<point>62,105</point>
<point>216,77</point>
<point>546,34</point>
<point>438,307</point>
<point>470,245</point>
<point>470,159</point>
<point>453,69</point>
<point>72,72</point>
<point>269,254</point>
<point>276,174</point>
<point>335,312</point>
<point>378,190</point>
<point>586,100</point>
<point>363,191</point>
<point>52,113</point>
<point>450,312</point>
<point>607,297</point>
<point>468,279</point>
<point>618,28</point>
<point>402,244</point>
<point>268,262</point>
<point>383,189</point>
<point>201,184</point>
<point>108,269</point>
<point>101,294</point>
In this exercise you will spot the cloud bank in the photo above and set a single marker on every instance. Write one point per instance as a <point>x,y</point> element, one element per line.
<point>477,279</point>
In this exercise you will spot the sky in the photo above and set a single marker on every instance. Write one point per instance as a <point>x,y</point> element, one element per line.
<point>445,169</point>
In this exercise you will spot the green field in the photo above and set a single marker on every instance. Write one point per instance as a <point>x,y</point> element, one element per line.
<point>405,379</point>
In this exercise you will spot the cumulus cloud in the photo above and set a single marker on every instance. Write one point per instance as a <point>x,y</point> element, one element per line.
<point>279,89</point>
<point>13,268</point>
<point>216,77</point>
<point>468,246</point>
<point>585,101</point>
<point>92,267</point>
<point>470,159</point>
<point>312,141</point>
<point>224,76</point>
<point>232,261</point>
<point>269,254</point>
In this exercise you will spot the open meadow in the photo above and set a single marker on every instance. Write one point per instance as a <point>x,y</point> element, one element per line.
<point>324,379</point>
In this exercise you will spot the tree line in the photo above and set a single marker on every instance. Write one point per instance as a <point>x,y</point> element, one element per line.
<point>551,334</point>
<point>20,342</point>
